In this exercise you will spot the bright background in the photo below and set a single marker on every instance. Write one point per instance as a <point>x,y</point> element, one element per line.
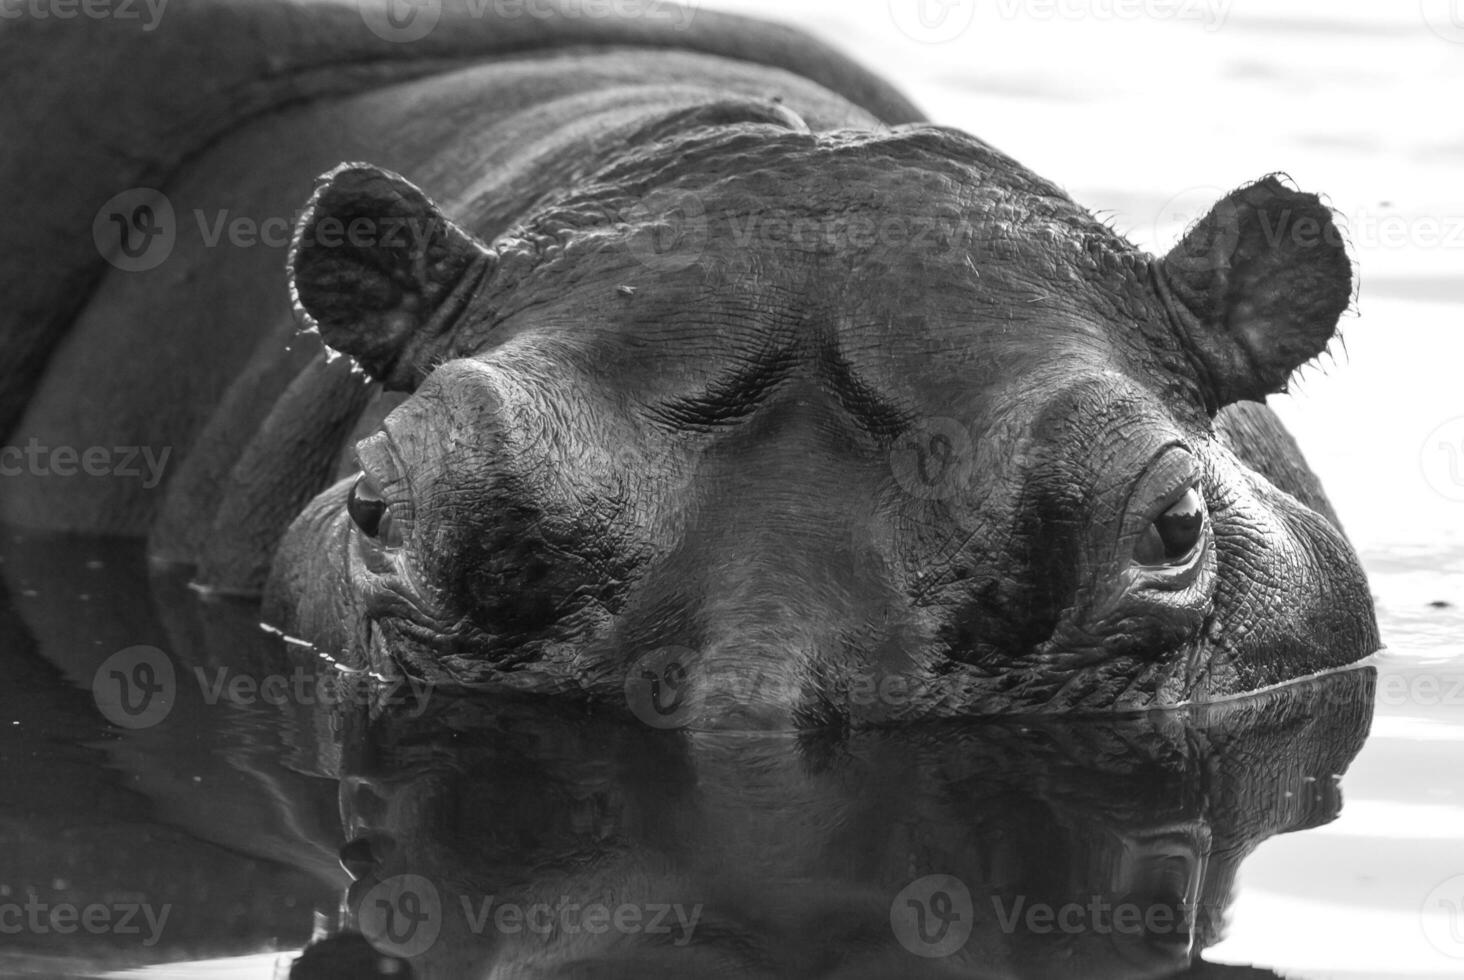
<point>1150,110</point>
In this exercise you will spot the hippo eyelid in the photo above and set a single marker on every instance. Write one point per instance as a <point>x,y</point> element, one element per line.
<point>1171,471</point>
<point>1172,476</point>
<point>377,455</point>
<point>380,502</point>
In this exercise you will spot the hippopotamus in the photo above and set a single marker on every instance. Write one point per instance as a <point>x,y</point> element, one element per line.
<point>674,362</point>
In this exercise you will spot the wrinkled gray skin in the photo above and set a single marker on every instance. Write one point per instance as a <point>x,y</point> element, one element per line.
<point>694,353</point>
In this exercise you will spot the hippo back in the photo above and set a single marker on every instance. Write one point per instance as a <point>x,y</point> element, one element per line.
<point>154,93</point>
<point>198,358</point>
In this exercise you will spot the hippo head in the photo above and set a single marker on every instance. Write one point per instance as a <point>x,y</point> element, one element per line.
<point>824,427</point>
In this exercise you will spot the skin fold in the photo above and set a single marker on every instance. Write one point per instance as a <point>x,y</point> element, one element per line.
<point>709,374</point>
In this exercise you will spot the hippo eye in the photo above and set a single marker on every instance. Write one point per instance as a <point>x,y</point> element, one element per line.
<point>1174,534</point>
<point>370,512</point>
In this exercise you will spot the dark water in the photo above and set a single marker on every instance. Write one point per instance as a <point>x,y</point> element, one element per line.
<point>180,785</point>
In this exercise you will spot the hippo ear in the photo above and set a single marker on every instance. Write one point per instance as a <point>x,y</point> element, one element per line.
<point>1257,288</point>
<point>382,273</point>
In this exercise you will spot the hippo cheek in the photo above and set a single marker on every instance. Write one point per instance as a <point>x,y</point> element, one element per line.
<point>344,594</point>
<point>309,593</point>
<point>1132,638</point>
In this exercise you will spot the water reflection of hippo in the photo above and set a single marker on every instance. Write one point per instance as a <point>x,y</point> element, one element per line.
<point>693,337</point>
<point>791,854</point>
<point>1080,848</point>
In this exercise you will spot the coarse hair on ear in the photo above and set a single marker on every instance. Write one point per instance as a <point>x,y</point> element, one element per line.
<point>1256,289</point>
<point>382,273</point>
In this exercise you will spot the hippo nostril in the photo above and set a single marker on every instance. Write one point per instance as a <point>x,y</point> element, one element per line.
<point>357,857</point>
<point>349,954</point>
<point>1163,877</point>
<point>1162,920</point>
